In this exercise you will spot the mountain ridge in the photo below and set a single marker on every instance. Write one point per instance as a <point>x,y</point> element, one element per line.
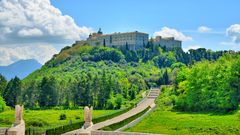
<point>21,68</point>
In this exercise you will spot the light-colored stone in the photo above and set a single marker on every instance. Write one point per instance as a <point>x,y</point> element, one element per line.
<point>87,117</point>
<point>18,114</point>
<point>18,127</point>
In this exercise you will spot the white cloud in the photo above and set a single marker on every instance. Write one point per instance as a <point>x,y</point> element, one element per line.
<point>30,32</point>
<point>191,47</point>
<point>204,29</point>
<point>41,53</point>
<point>234,32</point>
<point>231,45</point>
<point>169,32</point>
<point>37,20</point>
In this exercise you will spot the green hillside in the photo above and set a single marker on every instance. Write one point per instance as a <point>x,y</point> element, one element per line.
<point>103,77</point>
<point>166,120</point>
<point>204,99</point>
<point>83,75</point>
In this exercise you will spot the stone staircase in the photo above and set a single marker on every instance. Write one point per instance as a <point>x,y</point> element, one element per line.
<point>153,93</point>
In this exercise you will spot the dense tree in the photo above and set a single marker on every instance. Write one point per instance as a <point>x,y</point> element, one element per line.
<point>48,92</point>
<point>97,76</point>
<point>31,95</point>
<point>210,86</point>
<point>3,84</point>
<point>164,60</point>
<point>12,93</point>
<point>2,104</point>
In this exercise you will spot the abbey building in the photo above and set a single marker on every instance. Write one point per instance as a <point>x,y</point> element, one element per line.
<point>134,40</point>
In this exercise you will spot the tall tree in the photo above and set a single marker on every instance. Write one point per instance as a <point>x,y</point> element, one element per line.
<point>12,93</point>
<point>2,104</point>
<point>3,84</point>
<point>31,95</point>
<point>48,92</point>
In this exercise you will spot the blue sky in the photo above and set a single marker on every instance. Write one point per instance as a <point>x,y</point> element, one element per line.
<point>151,15</point>
<point>37,29</point>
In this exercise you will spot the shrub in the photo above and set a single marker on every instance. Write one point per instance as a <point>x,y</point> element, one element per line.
<point>63,117</point>
<point>5,121</point>
<point>2,104</point>
<point>36,123</point>
<point>77,117</point>
<point>238,115</point>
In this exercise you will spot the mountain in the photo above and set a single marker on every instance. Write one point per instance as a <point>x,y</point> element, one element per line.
<point>21,68</point>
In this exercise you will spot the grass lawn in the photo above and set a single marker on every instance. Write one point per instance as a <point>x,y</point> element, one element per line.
<point>48,118</point>
<point>168,122</point>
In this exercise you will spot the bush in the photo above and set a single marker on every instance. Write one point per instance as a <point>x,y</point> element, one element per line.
<point>63,117</point>
<point>238,115</point>
<point>74,126</point>
<point>2,104</point>
<point>5,121</point>
<point>36,123</point>
<point>77,117</point>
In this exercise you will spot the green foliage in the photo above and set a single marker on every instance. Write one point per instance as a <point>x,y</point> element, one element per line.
<point>48,119</point>
<point>62,117</point>
<point>105,53</point>
<point>36,123</point>
<point>2,104</point>
<point>87,75</point>
<point>210,86</point>
<point>95,76</point>
<point>167,98</point>
<point>3,84</point>
<point>164,60</point>
<point>31,95</point>
<point>12,93</point>
<point>78,125</point>
<point>48,92</point>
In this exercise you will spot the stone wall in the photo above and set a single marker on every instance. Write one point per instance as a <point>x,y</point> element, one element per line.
<point>135,40</point>
<point>18,129</point>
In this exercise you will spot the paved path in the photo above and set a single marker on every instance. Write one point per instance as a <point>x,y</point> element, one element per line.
<point>148,101</point>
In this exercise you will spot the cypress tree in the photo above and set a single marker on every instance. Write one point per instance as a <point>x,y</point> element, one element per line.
<point>12,93</point>
<point>3,84</point>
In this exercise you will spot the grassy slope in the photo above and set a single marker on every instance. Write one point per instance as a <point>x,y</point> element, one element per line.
<point>169,122</point>
<point>49,117</point>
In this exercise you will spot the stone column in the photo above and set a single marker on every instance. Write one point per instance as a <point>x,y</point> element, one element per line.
<point>87,117</point>
<point>18,127</point>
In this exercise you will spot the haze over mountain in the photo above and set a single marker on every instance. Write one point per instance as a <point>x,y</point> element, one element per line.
<point>21,68</point>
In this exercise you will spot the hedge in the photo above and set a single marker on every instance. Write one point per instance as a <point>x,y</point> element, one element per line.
<point>74,126</point>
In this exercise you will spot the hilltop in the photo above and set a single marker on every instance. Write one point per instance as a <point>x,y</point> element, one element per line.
<point>104,77</point>
<point>84,74</point>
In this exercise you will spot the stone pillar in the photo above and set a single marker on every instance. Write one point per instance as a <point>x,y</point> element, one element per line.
<point>87,117</point>
<point>18,127</point>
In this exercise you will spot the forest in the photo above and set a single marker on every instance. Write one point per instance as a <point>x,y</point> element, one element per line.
<point>112,78</point>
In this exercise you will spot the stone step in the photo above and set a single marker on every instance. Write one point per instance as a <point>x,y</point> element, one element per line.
<point>153,97</point>
<point>153,94</point>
